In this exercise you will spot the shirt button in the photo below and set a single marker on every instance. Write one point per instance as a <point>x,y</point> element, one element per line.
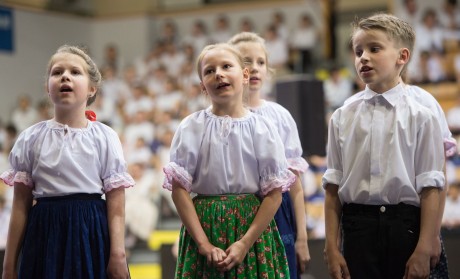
<point>382,209</point>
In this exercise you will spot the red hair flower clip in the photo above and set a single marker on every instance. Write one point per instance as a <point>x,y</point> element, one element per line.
<point>90,115</point>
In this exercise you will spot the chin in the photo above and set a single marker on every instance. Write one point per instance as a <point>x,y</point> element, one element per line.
<point>254,88</point>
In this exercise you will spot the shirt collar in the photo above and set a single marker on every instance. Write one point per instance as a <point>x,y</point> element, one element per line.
<point>391,96</point>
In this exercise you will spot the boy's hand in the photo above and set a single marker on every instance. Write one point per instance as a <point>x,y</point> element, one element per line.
<point>336,264</point>
<point>434,260</point>
<point>418,265</point>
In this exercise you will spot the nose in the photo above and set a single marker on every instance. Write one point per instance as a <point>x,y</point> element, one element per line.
<point>253,67</point>
<point>364,57</point>
<point>219,73</point>
<point>65,76</point>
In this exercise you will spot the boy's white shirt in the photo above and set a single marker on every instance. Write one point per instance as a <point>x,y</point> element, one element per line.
<point>384,149</point>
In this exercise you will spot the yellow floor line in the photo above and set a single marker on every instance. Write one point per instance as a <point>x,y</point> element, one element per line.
<point>145,271</point>
<point>157,238</point>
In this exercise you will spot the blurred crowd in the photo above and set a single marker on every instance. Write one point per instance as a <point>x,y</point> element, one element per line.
<point>144,101</point>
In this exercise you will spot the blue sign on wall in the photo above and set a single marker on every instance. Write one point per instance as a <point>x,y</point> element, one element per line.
<point>6,30</point>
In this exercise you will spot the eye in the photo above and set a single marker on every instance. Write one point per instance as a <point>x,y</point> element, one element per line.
<point>76,72</point>
<point>375,49</point>
<point>208,71</point>
<point>56,72</point>
<point>261,62</point>
<point>358,53</point>
<point>227,66</point>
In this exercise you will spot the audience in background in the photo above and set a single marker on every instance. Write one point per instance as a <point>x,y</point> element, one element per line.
<point>144,100</point>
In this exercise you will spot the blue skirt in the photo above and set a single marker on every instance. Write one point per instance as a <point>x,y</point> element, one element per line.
<point>66,237</point>
<point>285,221</point>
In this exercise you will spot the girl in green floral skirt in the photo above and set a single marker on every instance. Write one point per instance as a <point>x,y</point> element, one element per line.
<point>233,160</point>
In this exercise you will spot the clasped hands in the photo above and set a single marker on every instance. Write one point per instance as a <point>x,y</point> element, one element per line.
<point>224,260</point>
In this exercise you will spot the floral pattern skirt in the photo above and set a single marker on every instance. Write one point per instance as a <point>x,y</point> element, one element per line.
<point>225,219</point>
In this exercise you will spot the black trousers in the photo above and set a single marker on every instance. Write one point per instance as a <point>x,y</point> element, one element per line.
<point>379,239</point>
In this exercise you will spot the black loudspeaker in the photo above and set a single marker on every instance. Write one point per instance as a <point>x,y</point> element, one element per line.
<point>303,97</point>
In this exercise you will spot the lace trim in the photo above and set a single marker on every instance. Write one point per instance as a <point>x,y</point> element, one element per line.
<point>450,145</point>
<point>118,180</point>
<point>174,171</point>
<point>298,164</point>
<point>11,176</point>
<point>282,179</point>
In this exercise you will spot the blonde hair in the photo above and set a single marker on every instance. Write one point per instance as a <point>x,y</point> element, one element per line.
<point>224,46</point>
<point>236,53</point>
<point>93,71</point>
<point>397,29</point>
<point>251,37</point>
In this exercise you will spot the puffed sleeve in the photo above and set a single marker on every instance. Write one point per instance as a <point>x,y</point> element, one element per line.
<point>292,146</point>
<point>21,160</point>
<point>114,172</point>
<point>273,166</point>
<point>184,152</point>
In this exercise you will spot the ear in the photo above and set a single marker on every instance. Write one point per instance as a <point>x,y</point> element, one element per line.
<point>245,76</point>
<point>203,89</point>
<point>92,91</point>
<point>404,55</point>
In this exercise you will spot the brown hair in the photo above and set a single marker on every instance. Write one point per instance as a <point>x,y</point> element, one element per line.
<point>223,46</point>
<point>93,71</point>
<point>397,29</point>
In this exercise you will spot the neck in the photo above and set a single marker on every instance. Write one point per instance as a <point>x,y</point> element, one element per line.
<point>72,119</point>
<point>383,87</point>
<point>254,99</point>
<point>236,111</point>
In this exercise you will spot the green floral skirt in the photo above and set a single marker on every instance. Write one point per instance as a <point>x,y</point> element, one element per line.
<point>225,219</point>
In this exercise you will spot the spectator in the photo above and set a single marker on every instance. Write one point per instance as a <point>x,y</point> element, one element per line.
<point>303,40</point>
<point>277,50</point>
<point>24,115</point>
<point>337,88</point>
<point>223,32</point>
<point>451,217</point>
<point>409,12</point>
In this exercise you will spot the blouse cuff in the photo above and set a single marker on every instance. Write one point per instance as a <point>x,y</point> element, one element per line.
<point>450,145</point>
<point>283,179</point>
<point>331,176</point>
<point>429,179</point>
<point>174,171</point>
<point>297,164</point>
<point>118,180</point>
<point>11,176</point>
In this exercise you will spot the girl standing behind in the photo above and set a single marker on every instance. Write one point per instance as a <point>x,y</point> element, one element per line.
<point>226,155</point>
<point>66,164</point>
<point>290,217</point>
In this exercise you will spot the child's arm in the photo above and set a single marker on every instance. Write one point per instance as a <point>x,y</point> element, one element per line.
<point>301,244</point>
<point>22,202</point>
<point>418,265</point>
<point>190,219</point>
<point>238,250</point>
<point>337,266</point>
<point>437,240</point>
<point>117,267</point>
